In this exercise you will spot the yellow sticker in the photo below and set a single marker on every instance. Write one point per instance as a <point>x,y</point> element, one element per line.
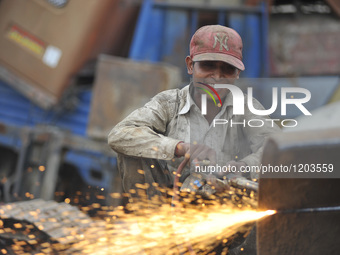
<point>26,40</point>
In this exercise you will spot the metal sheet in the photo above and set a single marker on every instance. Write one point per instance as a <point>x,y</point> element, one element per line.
<point>296,234</point>
<point>292,230</point>
<point>122,86</point>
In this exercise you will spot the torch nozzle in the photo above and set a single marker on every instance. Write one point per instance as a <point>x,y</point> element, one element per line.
<point>243,183</point>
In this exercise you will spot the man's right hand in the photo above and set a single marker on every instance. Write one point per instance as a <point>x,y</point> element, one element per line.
<point>197,152</point>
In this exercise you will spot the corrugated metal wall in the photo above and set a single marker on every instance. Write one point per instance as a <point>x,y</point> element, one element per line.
<point>17,110</point>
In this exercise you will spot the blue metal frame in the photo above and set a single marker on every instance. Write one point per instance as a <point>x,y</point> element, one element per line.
<point>150,22</point>
<point>265,39</point>
<point>161,25</point>
<point>19,111</point>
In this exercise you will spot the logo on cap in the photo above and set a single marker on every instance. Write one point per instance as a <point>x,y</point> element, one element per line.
<point>217,43</point>
<point>222,39</point>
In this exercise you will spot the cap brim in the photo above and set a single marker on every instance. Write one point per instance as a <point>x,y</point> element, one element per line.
<point>220,57</point>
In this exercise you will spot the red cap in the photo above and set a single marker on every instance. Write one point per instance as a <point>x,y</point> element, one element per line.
<point>217,43</point>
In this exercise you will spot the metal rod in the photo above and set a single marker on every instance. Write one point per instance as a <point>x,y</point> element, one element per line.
<point>309,210</point>
<point>243,183</point>
<point>207,7</point>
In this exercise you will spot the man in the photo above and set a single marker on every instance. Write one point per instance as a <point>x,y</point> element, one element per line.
<point>153,140</point>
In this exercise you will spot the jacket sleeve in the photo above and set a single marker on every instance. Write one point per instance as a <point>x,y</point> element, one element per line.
<point>141,134</point>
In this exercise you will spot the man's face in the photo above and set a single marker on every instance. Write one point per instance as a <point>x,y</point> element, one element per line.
<point>212,72</point>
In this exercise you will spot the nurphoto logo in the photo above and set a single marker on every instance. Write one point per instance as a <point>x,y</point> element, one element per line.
<point>238,103</point>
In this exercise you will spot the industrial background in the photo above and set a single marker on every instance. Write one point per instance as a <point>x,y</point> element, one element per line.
<point>71,69</point>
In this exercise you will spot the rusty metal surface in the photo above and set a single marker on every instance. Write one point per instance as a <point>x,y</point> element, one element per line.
<point>301,233</point>
<point>296,229</point>
<point>122,86</point>
<point>304,45</point>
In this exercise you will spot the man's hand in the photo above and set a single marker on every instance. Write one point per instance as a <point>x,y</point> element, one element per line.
<point>218,184</point>
<point>197,152</point>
